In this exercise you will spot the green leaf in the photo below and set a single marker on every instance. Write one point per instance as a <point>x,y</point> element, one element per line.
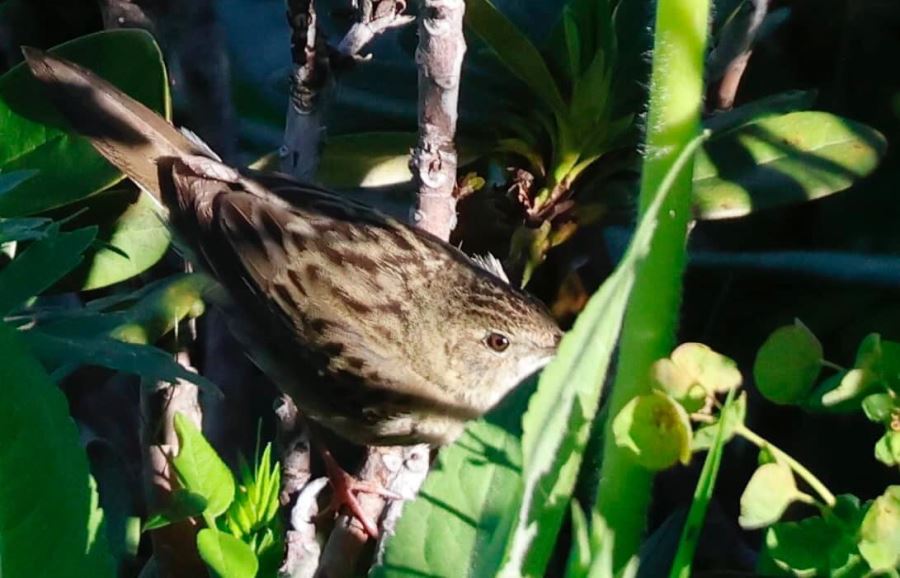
<point>782,160</point>
<point>515,51</point>
<point>132,238</point>
<point>878,407</point>
<point>11,180</point>
<point>226,556</point>
<point>887,448</point>
<point>756,110</point>
<point>580,554</point>
<point>655,429</point>
<point>459,523</point>
<point>50,524</point>
<point>879,541</point>
<point>852,385</point>
<point>35,133</point>
<point>713,371</point>
<point>813,547</point>
<point>788,364</point>
<point>41,265</point>
<point>138,359</point>
<point>140,317</point>
<point>769,492</point>
<point>26,229</point>
<point>693,525</point>
<point>183,505</point>
<point>731,417</point>
<point>200,468</point>
<point>372,159</point>
<point>678,383</point>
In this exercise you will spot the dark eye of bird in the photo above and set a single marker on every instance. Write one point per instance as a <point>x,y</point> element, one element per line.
<point>497,341</point>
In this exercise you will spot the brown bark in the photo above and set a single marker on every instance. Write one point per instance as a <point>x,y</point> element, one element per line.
<point>439,57</point>
<point>174,546</point>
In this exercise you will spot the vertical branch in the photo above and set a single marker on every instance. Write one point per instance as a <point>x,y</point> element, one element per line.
<point>174,549</point>
<point>439,57</point>
<point>303,131</point>
<point>729,59</point>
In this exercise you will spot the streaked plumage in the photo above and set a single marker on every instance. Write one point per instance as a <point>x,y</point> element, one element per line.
<point>378,331</point>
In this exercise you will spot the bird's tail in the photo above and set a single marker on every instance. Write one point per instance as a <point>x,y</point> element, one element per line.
<point>131,136</point>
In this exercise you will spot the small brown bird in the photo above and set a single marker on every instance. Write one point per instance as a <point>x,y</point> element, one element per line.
<point>380,332</point>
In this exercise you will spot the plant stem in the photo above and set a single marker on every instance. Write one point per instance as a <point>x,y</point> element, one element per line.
<point>676,92</point>
<point>796,466</point>
<point>439,57</point>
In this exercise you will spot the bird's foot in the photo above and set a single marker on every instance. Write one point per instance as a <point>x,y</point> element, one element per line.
<point>343,490</point>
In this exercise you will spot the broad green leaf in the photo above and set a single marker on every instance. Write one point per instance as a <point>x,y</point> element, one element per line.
<point>879,541</point>
<point>459,523</point>
<point>557,423</point>
<point>787,364</point>
<point>656,431</point>
<point>40,265</point>
<point>769,492</point>
<point>515,51</point>
<point>50,525</point>
<point>373,159</point>
<point>200,468</point>
<point>35,137</point>
<point>756,110</point>
<point>132,237</point>
<point>816,546</point>
<point>183,505</point>
<point>138,359</point>
<point>226,556</point>
<point>782,160</point>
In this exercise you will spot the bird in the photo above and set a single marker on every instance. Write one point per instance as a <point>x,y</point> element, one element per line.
<point>381,333</point>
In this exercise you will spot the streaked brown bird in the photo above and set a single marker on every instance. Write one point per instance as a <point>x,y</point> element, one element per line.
<point>379,332</point>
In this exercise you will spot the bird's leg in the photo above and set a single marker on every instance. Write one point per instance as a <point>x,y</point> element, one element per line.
<point>343,488</point>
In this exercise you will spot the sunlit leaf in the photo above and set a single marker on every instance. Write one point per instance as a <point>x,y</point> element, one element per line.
<point>200,468</point>
<point>35,134</point>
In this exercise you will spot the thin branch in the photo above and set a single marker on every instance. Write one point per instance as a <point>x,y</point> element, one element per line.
<point>301,148</point>
<point>730,57</point>
<point>373,18</point>
<point>174,550</point>
<point>434,161</point>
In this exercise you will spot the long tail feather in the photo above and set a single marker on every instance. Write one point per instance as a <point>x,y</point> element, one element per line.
<point>130,135</point>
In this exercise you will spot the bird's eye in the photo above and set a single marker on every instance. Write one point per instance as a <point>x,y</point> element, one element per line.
<point>497,341</point>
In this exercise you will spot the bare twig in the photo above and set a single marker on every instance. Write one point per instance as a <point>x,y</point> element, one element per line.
<point>298,493</point>
<point>373,18</point>
<point>730,57</point>
<point>300,150</point>
<point>439,57</point>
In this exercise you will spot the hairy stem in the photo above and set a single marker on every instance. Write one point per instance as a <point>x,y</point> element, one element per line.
<point>648,334</point>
